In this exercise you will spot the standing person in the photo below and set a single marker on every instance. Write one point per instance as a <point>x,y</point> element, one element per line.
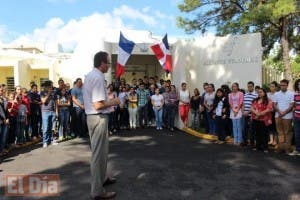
<point>78,104</point>
<point>236,99</point>
<point>97,108</point>
<point>272,127</point>
<point>296,121</point>
<point>284,103</point>
<point>26,101</point>
<point>12,108</point>
<point>49,112</point>
<point>151,115</point>
<point>112,116</point>
<point>132,107</point>
<point>248,99</point>
<point>4,121</point>
<point>203,116</point>
<point>195,103</point>
<point>21,121</point>
<point>172,107</point>
<point>166,94</point>
<point>184,104</point>
<point>208,104</point>
<point>143,98</point>
<point>123,110</point>
<point>35,102</point>
<point>221,113</point>
<point>63,103</point>
<point>261,110</point>
<point>157,101</point>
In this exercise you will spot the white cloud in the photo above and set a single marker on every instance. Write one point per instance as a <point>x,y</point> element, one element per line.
<point>130,13</point>
<point>160,14</point>
<point>69,33</point>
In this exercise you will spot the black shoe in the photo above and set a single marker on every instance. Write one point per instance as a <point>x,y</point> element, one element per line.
<point>109,181</point>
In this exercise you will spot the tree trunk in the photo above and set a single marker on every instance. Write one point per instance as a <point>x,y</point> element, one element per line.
<point>285,53</point>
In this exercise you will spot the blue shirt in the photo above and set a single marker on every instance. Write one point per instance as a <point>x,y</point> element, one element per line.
<point>77,92</point>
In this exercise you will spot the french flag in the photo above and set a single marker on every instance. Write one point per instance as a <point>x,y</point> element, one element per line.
<point>124,51</point>
<point>162,53</point>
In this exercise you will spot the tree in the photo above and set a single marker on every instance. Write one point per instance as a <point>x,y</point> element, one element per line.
<point>277,20</point>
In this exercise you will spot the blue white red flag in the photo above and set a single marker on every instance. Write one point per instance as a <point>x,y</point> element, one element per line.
<point>124,51</point>
<point>163,54</point>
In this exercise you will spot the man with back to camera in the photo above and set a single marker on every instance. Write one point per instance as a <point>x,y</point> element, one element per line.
<point>97,108</point>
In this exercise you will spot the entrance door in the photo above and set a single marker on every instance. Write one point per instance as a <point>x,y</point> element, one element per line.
<point>134,71</point>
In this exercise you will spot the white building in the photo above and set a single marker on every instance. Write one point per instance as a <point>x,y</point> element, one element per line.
<point>210,59</point>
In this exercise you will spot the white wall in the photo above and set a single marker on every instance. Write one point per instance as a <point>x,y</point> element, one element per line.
<point>218,60</point>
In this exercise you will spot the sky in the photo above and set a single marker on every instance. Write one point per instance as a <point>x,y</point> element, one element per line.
<point>65,21</point>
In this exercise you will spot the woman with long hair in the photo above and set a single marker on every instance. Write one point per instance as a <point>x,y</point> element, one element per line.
<point>132,107</point>
<point>184,104</point>
<point>221,113</point>
<point>261,111</point>
<point>112,116</point>
<point>195,103</point>
<point>157,101</point>
<point>272,127</point>
<point>172,106</point>
<point>236,99</point>
<point>63,103</point>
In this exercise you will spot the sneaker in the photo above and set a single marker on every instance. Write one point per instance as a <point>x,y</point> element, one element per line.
<point>160,128</point>
<point>157,128</point>
<point>61,138</point>
<point>45,145</point>
<point>294,153</point>
<point>54,143</point>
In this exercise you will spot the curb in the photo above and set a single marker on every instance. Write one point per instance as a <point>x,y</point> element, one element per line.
<point>204,135</point>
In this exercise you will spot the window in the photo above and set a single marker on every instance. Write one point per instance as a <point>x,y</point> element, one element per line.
<point>10,84</point>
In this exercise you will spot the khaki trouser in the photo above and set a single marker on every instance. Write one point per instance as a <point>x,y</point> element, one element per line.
<point>98,131</point>
<point>284,129</point>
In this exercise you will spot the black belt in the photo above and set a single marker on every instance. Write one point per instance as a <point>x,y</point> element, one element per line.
<point>99,114</point>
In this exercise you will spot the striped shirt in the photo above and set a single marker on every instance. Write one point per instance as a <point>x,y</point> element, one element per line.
<point>248,99</point>
<point>297,105</point>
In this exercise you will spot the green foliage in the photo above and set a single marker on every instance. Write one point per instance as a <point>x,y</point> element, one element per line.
<point>243,16</point>
<point>296,66</point>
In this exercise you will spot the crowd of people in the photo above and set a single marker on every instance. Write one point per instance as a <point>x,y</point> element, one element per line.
<point>257,117</point>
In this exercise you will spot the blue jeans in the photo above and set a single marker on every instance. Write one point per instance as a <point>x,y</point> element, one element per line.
<point>237,130</point>
<point>195,119</point>
<point>172,110</point>
<point>211,122</point>
<point>158,117</point>
<point>3,134</point>
<point>47,117</point>
<point>20,132</point>
<point>297,133</point>
<point>64,116</point>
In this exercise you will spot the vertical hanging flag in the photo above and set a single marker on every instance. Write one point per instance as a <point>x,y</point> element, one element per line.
<point>162,53</point>
<point>124,52</point>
